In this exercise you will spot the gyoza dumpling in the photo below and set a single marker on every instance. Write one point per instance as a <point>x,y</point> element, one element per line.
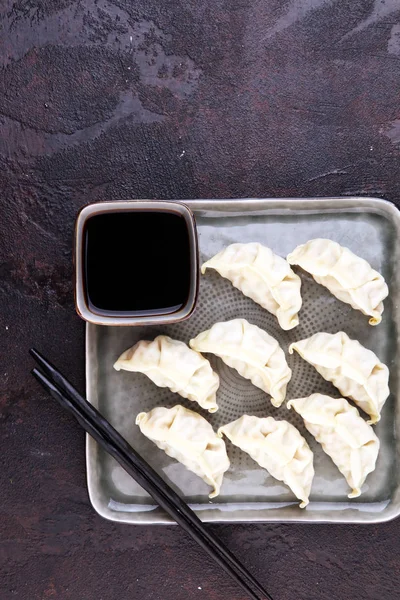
<point>172,364</point>
<point>278,447</point>
<point>343,434</point>
<point>350,278</point>
<point>190,439</point>
<point>356,371</point>
<point>263,276</point>
<point>251,351</point>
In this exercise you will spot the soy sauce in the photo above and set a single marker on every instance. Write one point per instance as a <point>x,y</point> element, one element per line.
<point>136,263</point>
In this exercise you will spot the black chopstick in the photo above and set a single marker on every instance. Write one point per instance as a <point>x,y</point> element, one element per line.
<point>103,432</point>
<point>155,479</point>
<point>140,477</point>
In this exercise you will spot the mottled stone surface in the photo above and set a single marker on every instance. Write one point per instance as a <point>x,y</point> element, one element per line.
<point>117,99</point>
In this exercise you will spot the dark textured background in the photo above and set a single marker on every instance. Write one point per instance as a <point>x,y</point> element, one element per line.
<point>117,99</point>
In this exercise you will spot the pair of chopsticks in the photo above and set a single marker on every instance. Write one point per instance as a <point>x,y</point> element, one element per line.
<point>113,443</point>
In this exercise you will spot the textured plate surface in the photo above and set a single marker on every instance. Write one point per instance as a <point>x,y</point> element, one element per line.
<point>368,227</point>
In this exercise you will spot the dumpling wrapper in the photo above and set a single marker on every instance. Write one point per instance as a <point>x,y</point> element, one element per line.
<point>263,276</point>
<point>347,276</point>
<point>356,371</point>
<point>278,447</point>
<point>186,436</point>
<point>254,353</point>
<point>343,434</point>
<point>172,364</point>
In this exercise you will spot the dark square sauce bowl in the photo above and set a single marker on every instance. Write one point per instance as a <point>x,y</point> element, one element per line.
<point>136,262</point>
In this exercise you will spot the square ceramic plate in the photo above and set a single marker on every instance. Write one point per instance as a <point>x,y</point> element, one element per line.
<point>370,228</point>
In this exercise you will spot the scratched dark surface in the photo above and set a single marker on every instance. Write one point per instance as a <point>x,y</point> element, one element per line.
<point>180,99</point>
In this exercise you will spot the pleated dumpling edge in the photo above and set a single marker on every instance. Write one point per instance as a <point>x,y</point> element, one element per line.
<point>343,434</point>
<point>278,447</point>
<point>171,363</point>
<point>250,350</point>
<point>347,276</point>
<point>355,370</point>
<point>189,438</point>
<point>263,276</point>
